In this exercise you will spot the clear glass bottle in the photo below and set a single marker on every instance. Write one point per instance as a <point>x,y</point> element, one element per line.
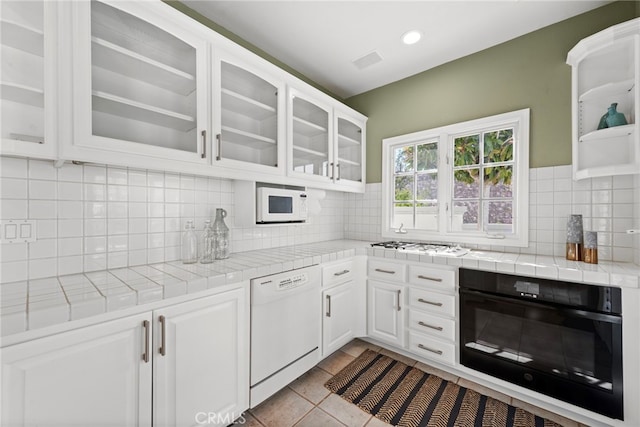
<point>208,244</point>
<point>189,244</point>
<point>221,235</point>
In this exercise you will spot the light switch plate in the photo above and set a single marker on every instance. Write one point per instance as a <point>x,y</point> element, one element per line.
<point>18,231</point>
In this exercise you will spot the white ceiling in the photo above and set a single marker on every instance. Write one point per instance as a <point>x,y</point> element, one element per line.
<point>321,39</point>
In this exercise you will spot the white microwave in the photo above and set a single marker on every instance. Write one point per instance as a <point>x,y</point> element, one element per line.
<point>280,205</point>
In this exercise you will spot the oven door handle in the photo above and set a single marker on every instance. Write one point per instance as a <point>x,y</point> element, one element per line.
<point>574,312</point>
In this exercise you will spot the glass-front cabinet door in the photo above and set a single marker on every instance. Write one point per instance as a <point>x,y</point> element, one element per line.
<point>349,143</point>
<point>309,129</point>
<point>249,116</point>
<point>28,77</point>
<point>141,81</point>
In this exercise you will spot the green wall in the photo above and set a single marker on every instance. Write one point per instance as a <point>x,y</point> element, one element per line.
<point>527,72</point>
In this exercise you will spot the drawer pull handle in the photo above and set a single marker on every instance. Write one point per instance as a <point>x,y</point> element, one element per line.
<point>437,304</point>
<point>426,325</point>
<point>379,270</point>
<point>438,352</point>
<point>433,279</point>
<point>163,342</point>
<point>328,313</point>
<point>145,355</point>
<point>340,273</point>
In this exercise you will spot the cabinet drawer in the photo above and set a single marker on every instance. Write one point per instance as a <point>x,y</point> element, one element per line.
<point>433,302</point>
<point>337,273</point>
<point>429,324</point>
<point>432,348</point>
<point>432,277</point>
<point>386,270</point>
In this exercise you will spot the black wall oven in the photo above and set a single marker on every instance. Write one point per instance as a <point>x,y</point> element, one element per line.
<point>558,338</point>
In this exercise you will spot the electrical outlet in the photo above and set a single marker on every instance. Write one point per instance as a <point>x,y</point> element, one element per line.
<point>17,231</point>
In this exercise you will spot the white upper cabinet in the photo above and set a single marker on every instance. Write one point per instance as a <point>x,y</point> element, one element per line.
<point>28,78</point>
<point>326,141</point>
<point>141,84</point>
<point>248,115</point>
<point>350,149</point>
<point>606,71</point>
<point>309,129</point>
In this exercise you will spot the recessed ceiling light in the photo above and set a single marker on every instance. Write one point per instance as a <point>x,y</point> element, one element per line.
<point>411,37</point>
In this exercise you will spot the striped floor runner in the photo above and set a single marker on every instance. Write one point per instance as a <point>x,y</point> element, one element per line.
<point>404,396</point>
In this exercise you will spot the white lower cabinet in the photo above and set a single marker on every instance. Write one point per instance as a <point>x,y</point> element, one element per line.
<point>385,312</point>
<point>201,361</point>
<point>183,365</point>
<point>90,376</point>
<point>339,317</point>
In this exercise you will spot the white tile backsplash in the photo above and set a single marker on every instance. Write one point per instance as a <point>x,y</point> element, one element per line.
<point>93,217</point>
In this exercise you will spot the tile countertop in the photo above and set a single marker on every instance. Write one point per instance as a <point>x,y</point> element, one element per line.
<point>44,302</point>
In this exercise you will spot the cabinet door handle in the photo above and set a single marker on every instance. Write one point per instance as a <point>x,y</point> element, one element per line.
<point>379,270</point>
<point>145,355</point>
<point>333,170</point>
<point>398,298</point>
<point>204,144</point>
<point>163,339</point>
<point>328,313</point>
<point>219,141</point>
<point>340,273</point>
<point>438,352</point>
<point>426,325</point>
<point>433,279</point>
<point>437,304</point>
<point>338,168</point>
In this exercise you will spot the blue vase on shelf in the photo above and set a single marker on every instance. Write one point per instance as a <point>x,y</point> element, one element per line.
<point>614,118</point>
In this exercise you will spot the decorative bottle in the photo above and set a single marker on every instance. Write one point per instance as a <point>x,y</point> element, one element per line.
<point>208,244</point>
<point>189,244</point>
<point>221,235</point>
<point>574,238</point>
<point>614,118</point>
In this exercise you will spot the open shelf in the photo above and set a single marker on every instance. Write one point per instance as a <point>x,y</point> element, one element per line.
<point>246,106</point>
<point>247,139</point>
<point>609,89</point>
<point>22,37</point>
<point>22,94</point>
<point>607,133</point>
<point>116,58</point>
<point>118,106</point>
<point>307,128</point>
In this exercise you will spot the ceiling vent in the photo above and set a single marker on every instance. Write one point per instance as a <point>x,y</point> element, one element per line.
<point>367,60</point>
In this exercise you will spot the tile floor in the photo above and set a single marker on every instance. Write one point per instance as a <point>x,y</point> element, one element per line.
<point>307,403</point>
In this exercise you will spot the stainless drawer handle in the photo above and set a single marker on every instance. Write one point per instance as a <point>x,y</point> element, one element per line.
<point>340,273</point>
<point>379,270</point>
<point>426,325</point>
<point>433,279</point>
<point>438,352</point>
<point>145,355</point>
<point>437,304</point>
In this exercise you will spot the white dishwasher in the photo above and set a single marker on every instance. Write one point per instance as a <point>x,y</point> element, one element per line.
<point>285,329</point>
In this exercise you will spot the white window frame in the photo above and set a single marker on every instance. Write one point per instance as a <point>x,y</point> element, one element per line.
<point>519,120</point>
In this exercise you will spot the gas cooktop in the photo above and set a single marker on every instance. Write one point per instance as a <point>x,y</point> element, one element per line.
<point>423,248</point>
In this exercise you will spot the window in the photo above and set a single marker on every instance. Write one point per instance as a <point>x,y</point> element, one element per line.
<point>465,183</point>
